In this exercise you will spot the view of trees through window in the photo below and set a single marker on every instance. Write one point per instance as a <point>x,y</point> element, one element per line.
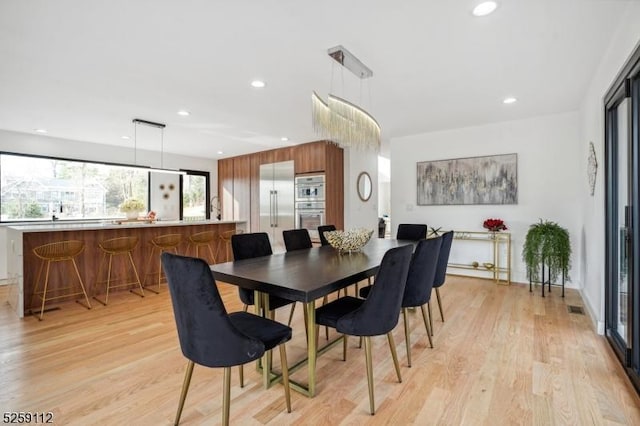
<point>34,188</point>
<point>194,197</point>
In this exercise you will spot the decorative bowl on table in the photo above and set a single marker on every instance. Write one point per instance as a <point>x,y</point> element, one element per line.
<point>348,241</point>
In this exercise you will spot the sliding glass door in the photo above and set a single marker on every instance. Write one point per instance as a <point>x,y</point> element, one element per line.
<point>622,150</point>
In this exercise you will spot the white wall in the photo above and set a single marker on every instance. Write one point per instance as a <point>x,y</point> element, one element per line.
<point>358,213</point>
<point>549,179</point>
<point>591,129</point>
<point>25,143</point>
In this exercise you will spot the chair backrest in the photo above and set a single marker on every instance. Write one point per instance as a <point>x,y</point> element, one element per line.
<point>321,230</point>
<point>422,271</point>
<point>296,239</point>
<point>379,312</point>
<point>443,259</point>
<point>207,336</point>
<point>248,246</point>
<point>411,231</point>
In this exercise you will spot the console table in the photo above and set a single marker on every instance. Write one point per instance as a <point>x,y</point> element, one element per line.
<point>495,266</point>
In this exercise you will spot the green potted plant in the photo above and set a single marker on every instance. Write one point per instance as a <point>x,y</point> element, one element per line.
<point>132,206</point>
<point>547,243</point>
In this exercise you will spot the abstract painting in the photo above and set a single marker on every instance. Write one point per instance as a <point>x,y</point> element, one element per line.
<point>475,180</point>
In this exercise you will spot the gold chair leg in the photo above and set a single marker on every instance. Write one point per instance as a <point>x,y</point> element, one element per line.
<point>106,297</point>
<point>325,300</point>
<point>245,308</point>
<point>285,376</point>
<point>99,276</point>
<point>185,389</point>
<point>367,353</point>
<point>394,355</point>
<point>344,347</point>
<point>241,373</point>
<point>86,298</point>
<point>148,274</point>
<point>213,258</point>
<point>44,294</point>
<point>430,317</point>
<point>407,335</point>
<point>135,272</point>
<point>226,396</point>
<point>439,303</point>
<point>293,308</point>
<point>426,325</point>
<point>36,285</point>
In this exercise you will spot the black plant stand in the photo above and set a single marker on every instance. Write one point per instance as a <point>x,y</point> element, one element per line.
<point>548,280</point>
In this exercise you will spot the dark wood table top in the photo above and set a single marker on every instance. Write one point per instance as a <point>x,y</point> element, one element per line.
<point>305,275</point>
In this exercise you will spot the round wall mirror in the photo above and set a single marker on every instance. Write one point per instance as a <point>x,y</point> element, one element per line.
<point>364,186</point>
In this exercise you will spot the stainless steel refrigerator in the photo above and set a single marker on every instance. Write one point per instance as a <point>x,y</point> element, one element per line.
<point>276,201</point>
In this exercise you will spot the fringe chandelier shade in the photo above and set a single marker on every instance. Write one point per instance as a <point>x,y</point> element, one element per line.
<point>344,123</point>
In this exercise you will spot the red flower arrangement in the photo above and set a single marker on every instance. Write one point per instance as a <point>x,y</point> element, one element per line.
<point>494,225</point>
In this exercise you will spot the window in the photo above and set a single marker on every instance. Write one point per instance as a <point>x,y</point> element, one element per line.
<point>195,196</point>
<point>37,188</point>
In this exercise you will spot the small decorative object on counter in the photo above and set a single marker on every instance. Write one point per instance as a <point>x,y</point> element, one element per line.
<point>349,241</point>
<point>131,206</point>
<point>494,225</point>
<point>475,264</point>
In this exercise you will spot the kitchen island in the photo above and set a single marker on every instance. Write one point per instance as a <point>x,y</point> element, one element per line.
<point>23,265</point>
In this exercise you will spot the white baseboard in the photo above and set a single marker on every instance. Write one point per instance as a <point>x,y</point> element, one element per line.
<point>597,324</point>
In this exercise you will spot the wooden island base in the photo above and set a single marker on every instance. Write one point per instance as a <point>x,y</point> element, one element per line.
<point>62,274</point>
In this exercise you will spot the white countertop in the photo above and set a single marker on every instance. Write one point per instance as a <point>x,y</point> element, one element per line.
<point>112,224</point>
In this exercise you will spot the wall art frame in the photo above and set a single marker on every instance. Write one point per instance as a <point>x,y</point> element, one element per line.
<point>491,179</point>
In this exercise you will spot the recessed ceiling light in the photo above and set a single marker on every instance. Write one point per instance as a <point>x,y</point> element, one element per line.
<point>509,100</point>
<point>258,84</point>
<point>40,130</point>
<point>220,152</point>
<point>284,139</point>
<point>484,8</point>
<point>125,137</point>
<point>184,113</point>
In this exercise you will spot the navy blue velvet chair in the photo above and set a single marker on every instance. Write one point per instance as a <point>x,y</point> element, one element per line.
<point>441,270</point>
<point>296,239</point>
<point>417,292</point>
<point>321,230</point>
<point>411,231</point>
<point>374,316</point>
<point>209,336</point>
<point>248,246</point>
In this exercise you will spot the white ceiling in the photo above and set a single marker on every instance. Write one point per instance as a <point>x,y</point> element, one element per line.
<point>84,69</point>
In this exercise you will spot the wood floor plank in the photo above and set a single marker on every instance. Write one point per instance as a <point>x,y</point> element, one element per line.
<point>503,356</point>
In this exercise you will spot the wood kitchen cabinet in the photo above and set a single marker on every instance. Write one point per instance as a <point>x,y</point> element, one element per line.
<point>239,180</point>
<point>225,188</point>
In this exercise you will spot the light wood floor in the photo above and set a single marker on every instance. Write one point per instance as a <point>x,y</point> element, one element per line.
<point>503,356</point>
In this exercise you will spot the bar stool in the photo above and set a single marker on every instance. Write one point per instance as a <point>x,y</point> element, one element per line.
<point>161,243</point>
<point>204,240</point>
<point>118,247</point>
<point>225,240</point>
<point>60,251</point>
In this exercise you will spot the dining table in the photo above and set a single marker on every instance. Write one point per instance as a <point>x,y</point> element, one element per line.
<point>304,276</point>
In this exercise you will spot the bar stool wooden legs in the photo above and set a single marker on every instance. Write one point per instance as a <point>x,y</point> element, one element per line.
<point>202,240</point>
<point>160,244</point>
<point>57,252</point>
<point>225,240</point>
<point>118,247</point>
